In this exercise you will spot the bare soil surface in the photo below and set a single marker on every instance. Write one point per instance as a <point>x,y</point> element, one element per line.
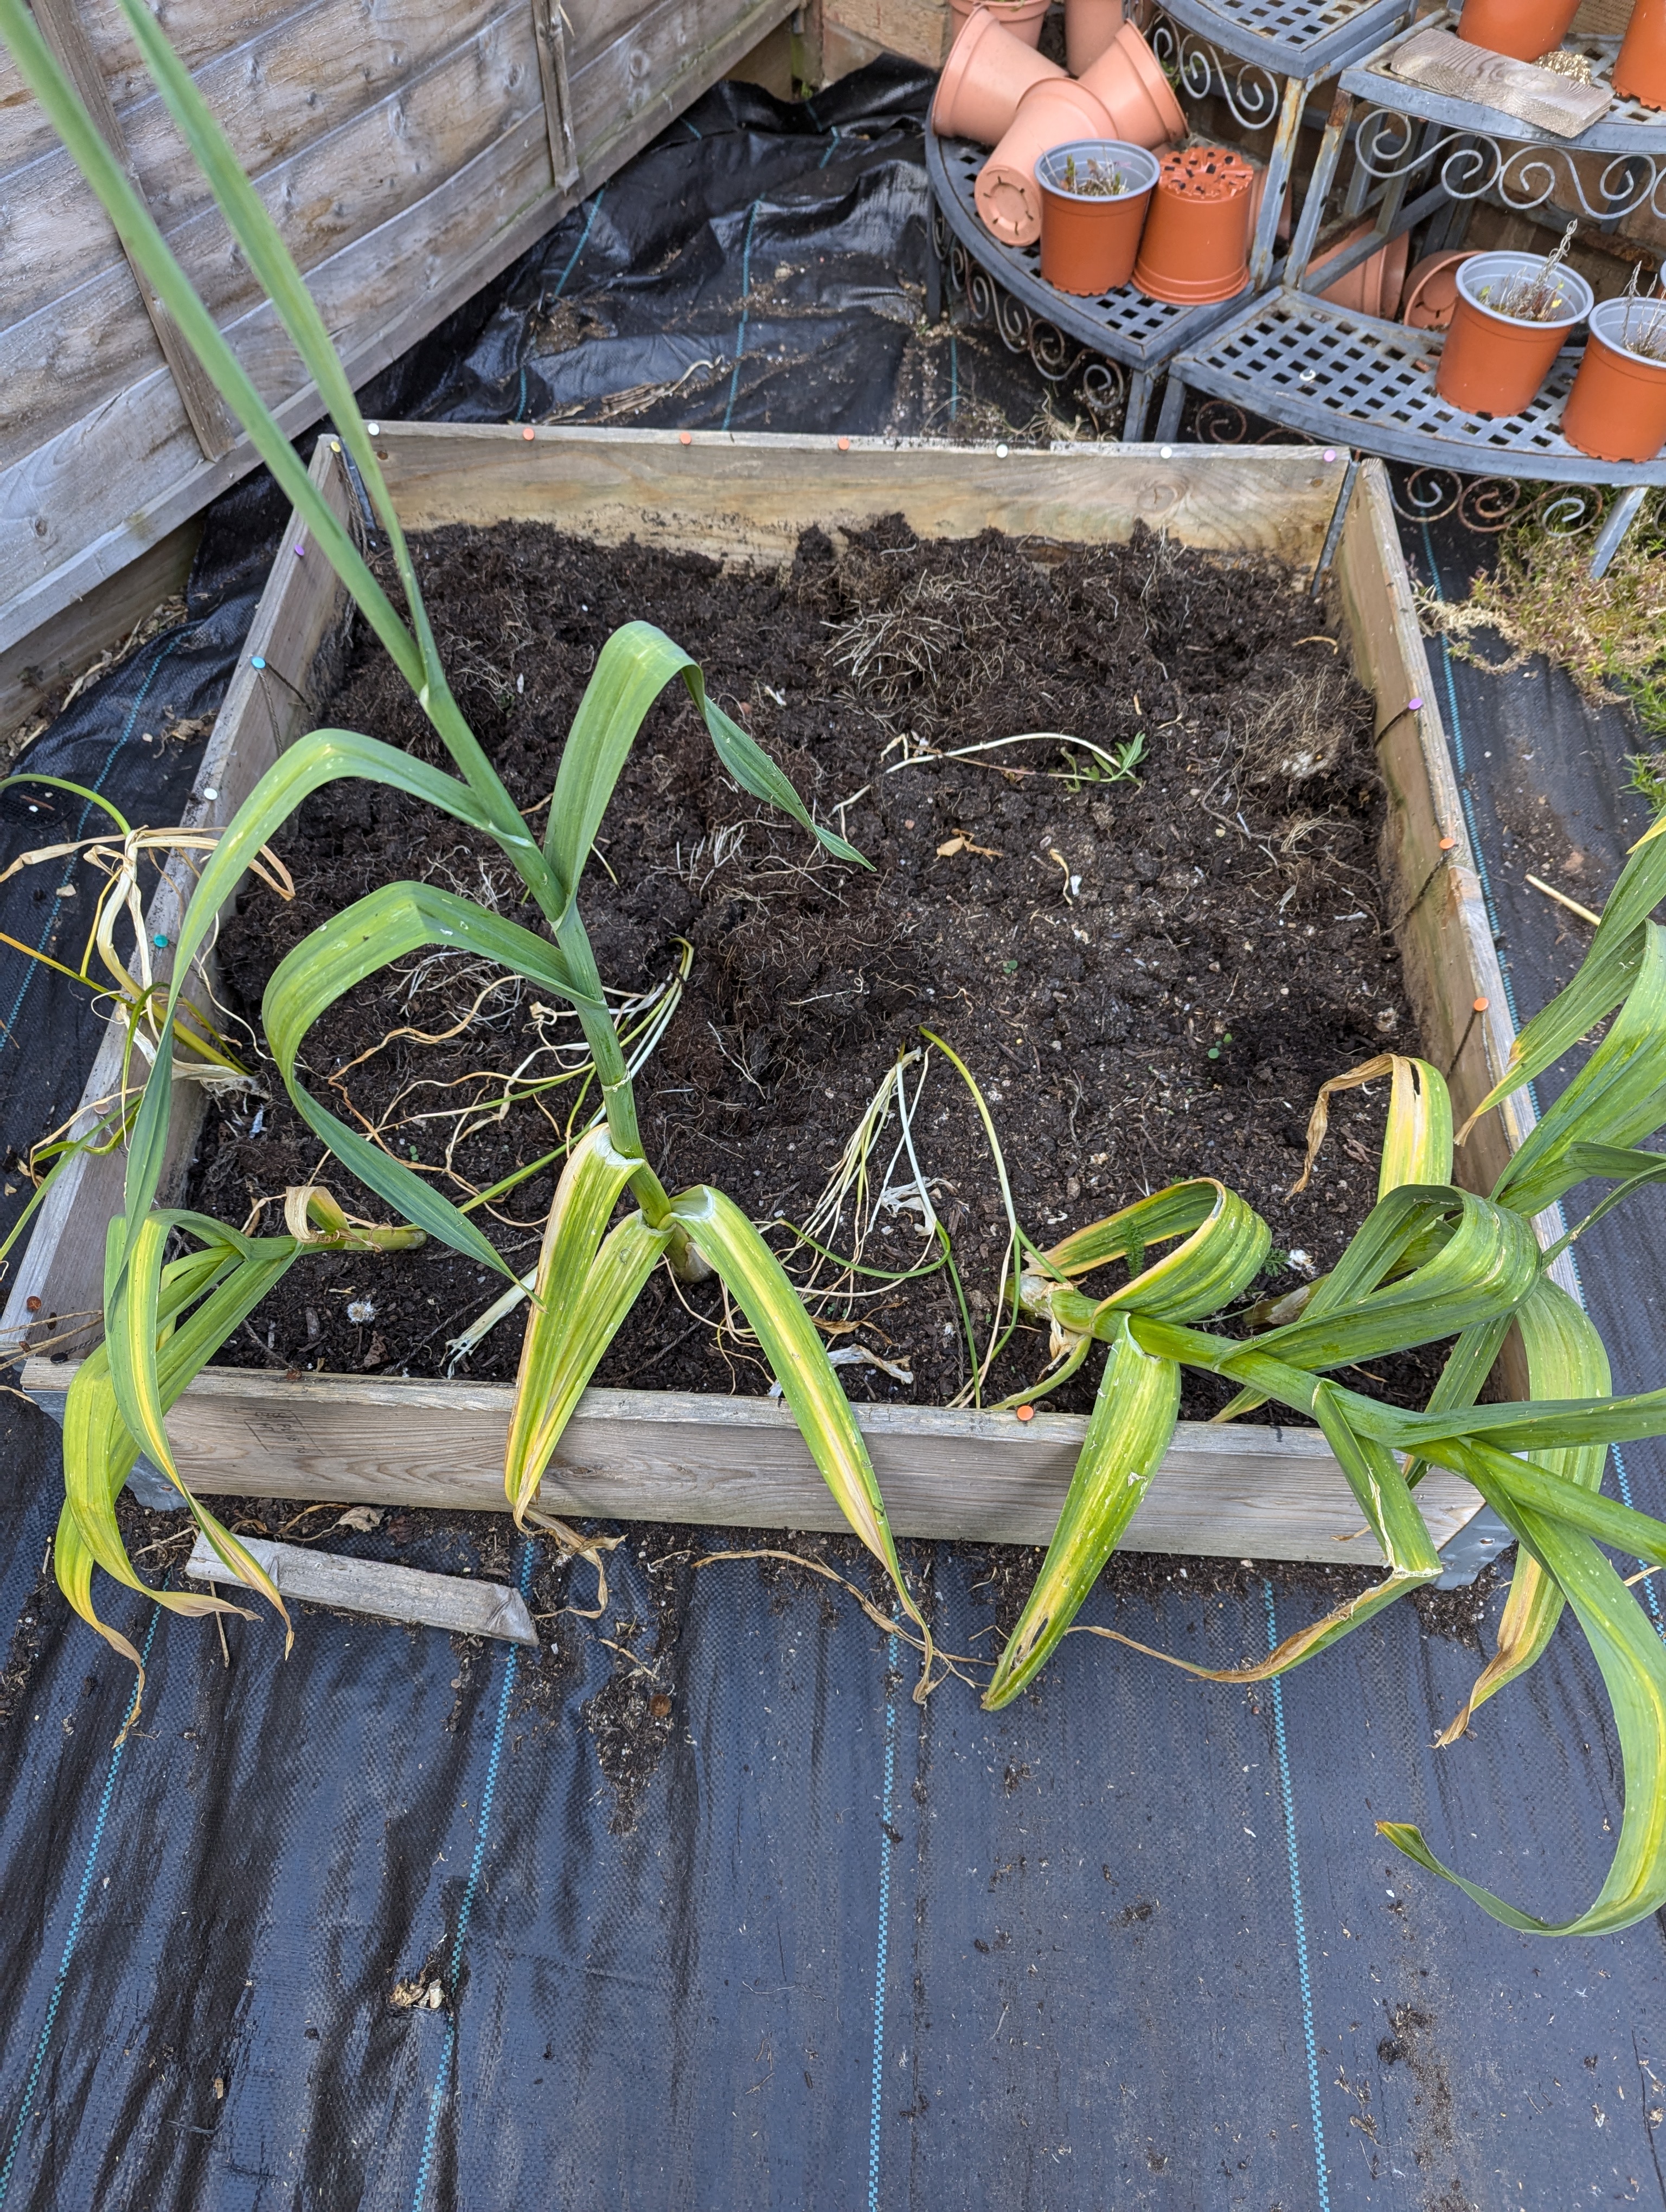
<point>1148,977</point>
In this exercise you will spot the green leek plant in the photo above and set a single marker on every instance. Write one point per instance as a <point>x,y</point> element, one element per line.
<point>166,1316</point>
<point>1431,1261</point>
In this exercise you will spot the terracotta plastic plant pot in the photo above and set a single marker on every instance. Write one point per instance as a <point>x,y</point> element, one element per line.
<point>1491,364</point>
<point>1128,79</point>
<point>1431,293</point>
<point>1050,114</point>
<point>1373,287</point>
<point>1023,18</point>
<point>1089,27</point>
<point>1258,193</point>
<point>1640,73</point>
<point>1197,235</point>
<point>1616,410</point>
<point>1522,28</point>
<point>987,73</point>
<point>1089,240</point>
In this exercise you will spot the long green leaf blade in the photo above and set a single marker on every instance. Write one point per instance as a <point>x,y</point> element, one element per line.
<point>1133,1421</point>
<point>760,1286</point>
<point>377,929</point>
<point>1380,1490</point>
<point>100,1447</point>
<point>1225,1245</point>
<point>1632,1659</point>
<point>584,1289</point>
<point>320,758</point>
<point>745,759</point>
<point>1564,1359</point>
<point>1486,1266</point>
<point>137,230</point>
<point>1617,1099</point>
<point>1604,975</point>
<point>632,669</point>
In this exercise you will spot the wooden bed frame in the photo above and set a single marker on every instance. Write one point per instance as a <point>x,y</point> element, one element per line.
<point>1252,1491</point>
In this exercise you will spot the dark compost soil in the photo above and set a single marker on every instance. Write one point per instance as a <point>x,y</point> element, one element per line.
<point>1148,977</point>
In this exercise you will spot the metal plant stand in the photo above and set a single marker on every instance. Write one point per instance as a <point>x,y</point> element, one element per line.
<point>1127,336</point>
<point>1421,159</point>
<point>1263,58</point>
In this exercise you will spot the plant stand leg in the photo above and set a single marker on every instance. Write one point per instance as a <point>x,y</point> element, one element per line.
<point>1458,227</point>
<point>1278,176</point>
<point>1174,401</point>
<point>1359,184</point>
<point>934,262</point>
<point>1324,171</point>
<point>1612,536</point>
<point>1139,400</point>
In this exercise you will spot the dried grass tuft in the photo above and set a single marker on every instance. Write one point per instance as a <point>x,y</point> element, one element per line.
<point>1609,633</point>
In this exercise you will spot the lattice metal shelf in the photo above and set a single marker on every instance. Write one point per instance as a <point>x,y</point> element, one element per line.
<point>1353,380</point>
<point>1627,128</point>
<point>1350,380</point>
<point>1420,157</point>
<point>1124,327</point>
<point>1308,39</point>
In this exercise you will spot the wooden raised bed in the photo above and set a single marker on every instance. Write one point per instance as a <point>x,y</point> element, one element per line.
<point>409,153</point>
<point>1255,1492</point>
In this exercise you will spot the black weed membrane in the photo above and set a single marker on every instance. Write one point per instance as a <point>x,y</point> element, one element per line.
<point>694,1907</point>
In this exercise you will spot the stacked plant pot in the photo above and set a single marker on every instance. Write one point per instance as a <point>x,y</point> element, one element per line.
<point>1094,161</point>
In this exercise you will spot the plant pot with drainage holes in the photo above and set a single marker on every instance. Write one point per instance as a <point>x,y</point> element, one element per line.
<point>1023,18</point>
<point>1196,238</point>
<point>1050,114</point>
<point>1095,193</point>
<point>1524,29</point>
<point>1639,70</point>
<point>1616,410</point>
<point>1514,313</point>
<point>987,73</point>
<point>1128,79</point>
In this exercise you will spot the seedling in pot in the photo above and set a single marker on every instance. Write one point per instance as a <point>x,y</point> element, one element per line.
<point>1533,296</point>
<point>1643,325</point>
<point>1093,179</point>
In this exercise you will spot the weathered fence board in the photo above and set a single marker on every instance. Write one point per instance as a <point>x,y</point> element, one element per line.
<point>409,155</point>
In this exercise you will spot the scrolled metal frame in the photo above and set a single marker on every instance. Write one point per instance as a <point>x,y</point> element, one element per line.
<point>1416,152</point>
<point>1101,383</point>
<point>1487,506</point>
<point>1251,91</point>
<point>1521,175</point>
